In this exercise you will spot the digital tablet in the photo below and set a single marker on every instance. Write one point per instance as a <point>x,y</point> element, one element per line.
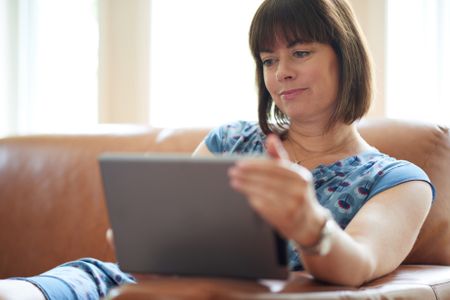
<point>178,215</point>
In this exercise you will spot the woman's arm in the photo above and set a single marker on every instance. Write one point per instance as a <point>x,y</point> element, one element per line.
<point>378,238</point>
<point>374,243</point>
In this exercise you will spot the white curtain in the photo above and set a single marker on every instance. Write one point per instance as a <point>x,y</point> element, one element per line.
<point>48,65</point>
<point>418,60</point>
<point>5,69</point>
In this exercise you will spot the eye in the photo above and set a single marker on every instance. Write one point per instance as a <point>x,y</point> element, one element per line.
<point>267,62</point>
<point>301,54</point>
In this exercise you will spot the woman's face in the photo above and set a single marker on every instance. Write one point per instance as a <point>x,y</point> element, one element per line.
<point>302,79</point>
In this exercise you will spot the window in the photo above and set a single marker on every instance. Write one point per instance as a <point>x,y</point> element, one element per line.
<point>201,69</point>
<point>418,64</point>
<point>5,68</point>
<point>52,71</point>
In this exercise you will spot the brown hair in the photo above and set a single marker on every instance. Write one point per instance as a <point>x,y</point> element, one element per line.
<point>324,21</point>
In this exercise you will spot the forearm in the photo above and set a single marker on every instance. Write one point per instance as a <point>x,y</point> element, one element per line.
<point>371,245</point>
<point>348,262</point>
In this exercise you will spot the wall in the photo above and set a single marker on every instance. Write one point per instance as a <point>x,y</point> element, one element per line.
<point>371,15</point>
<point>124,61</point>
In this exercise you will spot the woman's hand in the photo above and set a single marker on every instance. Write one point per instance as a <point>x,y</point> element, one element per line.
<point>281,192</point>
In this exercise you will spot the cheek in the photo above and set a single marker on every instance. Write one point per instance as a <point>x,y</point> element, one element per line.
<point>333,75</point>
<point>332,82</point>
<point>269,81</point>
<point>325,78</point>
<point>315,72</point>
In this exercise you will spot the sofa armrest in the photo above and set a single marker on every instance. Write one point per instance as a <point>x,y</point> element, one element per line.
<point>421,282</point>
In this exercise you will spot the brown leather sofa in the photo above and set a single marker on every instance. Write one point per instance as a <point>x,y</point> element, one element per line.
<point>52,210</point>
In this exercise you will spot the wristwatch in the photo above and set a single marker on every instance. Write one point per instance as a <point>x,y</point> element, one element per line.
<point>323,245</point>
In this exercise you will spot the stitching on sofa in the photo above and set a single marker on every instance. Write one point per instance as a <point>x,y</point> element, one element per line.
<point>433,286</point>
<point>438,136</point>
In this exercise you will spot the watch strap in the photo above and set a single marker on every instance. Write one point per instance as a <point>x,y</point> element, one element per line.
<point>323,245</point>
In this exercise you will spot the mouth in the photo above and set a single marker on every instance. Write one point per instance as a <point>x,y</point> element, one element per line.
<point>291,94</point>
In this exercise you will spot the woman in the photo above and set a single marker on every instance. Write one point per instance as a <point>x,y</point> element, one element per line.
<point>314,81</point>
<point>339,200</point>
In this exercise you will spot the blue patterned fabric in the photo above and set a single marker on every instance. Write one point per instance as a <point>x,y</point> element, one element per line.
<point>342,187</point>
<point>84,279</point>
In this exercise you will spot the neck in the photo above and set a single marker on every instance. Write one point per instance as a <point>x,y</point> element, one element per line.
<point>311,143</point>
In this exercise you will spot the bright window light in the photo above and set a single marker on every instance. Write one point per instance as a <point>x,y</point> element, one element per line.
<point>5,70</point>
<point>418,62</point>
<point>201,69</point>
<point>58,59</point>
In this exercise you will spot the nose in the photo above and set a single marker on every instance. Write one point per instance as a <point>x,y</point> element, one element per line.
<point>284,71</point>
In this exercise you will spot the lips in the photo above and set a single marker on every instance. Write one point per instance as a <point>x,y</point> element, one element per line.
<point>291,94</point>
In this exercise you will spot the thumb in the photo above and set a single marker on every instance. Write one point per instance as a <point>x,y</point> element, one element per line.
<point>275,148</point>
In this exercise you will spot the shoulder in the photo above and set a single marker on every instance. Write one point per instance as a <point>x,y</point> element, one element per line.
<point>345,186</point>
<point>384,172</point>
<point>391,172</point>
<point>236,137</point>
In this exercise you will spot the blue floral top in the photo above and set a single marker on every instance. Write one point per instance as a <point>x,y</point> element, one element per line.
<point>342,187</point>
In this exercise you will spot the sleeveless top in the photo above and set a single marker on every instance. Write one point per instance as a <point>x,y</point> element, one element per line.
<point>343,187</point>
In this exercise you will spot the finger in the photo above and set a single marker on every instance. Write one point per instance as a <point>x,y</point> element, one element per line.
<point>256,188</point>
<point>282,185</point>
<point>283,215</point>
<point>279,185</point>
<point>281,190</point>
<point>274,170</point>
<point>275,148</point>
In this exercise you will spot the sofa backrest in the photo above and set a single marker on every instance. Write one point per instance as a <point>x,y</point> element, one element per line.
<point>428,146</point>
<point>52,206</point>
<point>51,200</point>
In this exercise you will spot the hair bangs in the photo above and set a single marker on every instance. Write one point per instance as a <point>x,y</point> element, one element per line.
<point>288,22</point>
